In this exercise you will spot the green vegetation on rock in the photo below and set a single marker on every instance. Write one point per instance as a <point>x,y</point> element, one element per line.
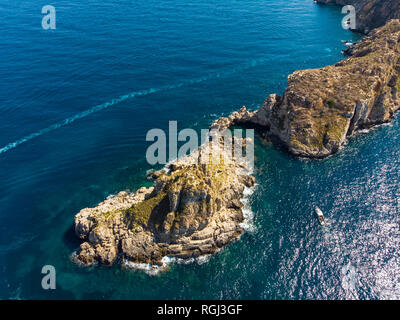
<point>139,214</point>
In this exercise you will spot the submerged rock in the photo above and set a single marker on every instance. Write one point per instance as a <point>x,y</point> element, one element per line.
<point>192,210</point>
<point>322,107</point>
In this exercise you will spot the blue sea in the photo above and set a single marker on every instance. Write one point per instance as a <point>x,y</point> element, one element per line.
<point>76,104</point>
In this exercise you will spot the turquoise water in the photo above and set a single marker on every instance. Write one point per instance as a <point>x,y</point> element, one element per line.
<point>77,102</point>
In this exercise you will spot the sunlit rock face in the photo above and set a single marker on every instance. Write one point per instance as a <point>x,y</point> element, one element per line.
<point>320,108</point>
<point>371,13</point>
<point>192,210</point>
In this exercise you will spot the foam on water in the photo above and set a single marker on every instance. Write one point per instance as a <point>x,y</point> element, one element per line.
<point>148,268</point>
<point>355,188</point>
<point>153,270</point>
<point>248,223</point>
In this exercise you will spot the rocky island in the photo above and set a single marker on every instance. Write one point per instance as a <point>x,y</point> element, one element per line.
<point>194,208</point>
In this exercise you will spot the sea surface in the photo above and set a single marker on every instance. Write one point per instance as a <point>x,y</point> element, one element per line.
<point>76,104</point>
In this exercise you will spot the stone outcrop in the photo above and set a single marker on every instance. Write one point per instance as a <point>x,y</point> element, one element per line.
<point>192,210</point>
<point>370,13</point>
<point>322,107</point>
<point>194,206</point>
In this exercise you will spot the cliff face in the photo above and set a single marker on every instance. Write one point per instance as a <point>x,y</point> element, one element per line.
<point>371,13</point>
<point>321,107</point>
<point>193,209</point>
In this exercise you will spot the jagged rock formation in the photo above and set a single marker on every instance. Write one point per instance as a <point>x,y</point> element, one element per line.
<point>370,13</point>
<point>193,209</point>
<point>321,107</point>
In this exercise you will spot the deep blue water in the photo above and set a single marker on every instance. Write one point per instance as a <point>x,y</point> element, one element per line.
<point>77,102</point>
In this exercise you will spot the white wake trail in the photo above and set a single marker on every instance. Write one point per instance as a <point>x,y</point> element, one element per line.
<point>83,114</point>
<point>94,109</point>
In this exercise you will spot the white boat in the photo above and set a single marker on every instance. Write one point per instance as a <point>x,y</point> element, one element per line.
<point>320,215</point>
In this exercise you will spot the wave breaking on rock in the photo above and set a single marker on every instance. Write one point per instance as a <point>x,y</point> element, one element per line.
<point>193,210</point>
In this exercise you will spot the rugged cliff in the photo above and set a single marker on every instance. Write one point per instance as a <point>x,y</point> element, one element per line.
<point>322,107</point>
<point>192,210</point>
<point>371,13</point>
<point>194,207</point>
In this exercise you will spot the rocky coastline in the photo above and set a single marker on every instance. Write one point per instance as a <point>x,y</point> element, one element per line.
<point>321,108</point>
<point>194,208</point>
<point>370,13</point>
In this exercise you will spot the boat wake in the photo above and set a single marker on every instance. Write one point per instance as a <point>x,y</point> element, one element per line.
<point>250,64</point>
